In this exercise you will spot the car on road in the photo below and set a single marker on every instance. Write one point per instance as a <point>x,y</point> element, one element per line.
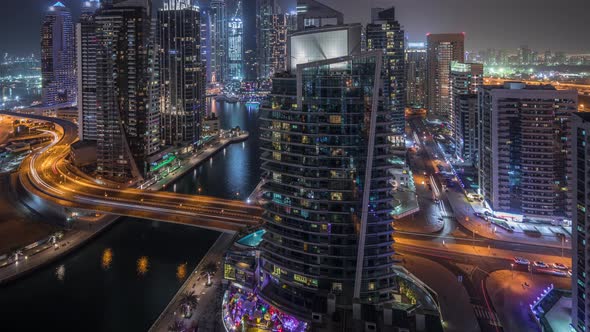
<point>488,213</point>
<point>559,273</point>
<point>559,266</point>
<point>569,272</point>
<point>540,264</point>
<point>521,261</point>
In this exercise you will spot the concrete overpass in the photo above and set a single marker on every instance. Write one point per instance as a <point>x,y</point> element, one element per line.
<point>44,174</point>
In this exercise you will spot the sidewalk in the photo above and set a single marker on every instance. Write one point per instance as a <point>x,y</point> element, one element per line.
<point>194,161</point>
<point>207,314</point>
<point>82,232</point>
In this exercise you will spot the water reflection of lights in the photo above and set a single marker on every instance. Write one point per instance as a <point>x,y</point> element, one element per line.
<point>143,265</point>
<point>181,272</point>
<point>107,258</point>
<point>60,272</point>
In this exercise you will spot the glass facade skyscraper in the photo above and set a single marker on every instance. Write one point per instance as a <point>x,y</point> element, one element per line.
<point>128,117</point>
<point>235,49</point>
<point>182,75</point>
<point>328,152</point>
<point>58,56</point>
<point>218,35</point>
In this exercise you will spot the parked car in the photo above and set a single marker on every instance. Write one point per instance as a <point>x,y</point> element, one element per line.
<point>559,266</point>
<point>540,264</point>
<point>521,261</point>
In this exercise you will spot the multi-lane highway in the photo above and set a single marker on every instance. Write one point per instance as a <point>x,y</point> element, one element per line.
<point>45,173</point>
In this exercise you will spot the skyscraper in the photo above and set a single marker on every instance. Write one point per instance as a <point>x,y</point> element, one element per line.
<point>416,74</point>
<point>58,56</point>
<point>218,35</point>
<point>330,147</point>
<point>86,63</point>
<point>385,33</point>
<point>182,76</point>
<point>206,56</point>
<point>466,79</point>
<point>326,145</point>
<point>580,226</point>
<point>278,44</point>
<point>265,10</point>
<point>235,49</point>
<point>442,50</point>
<point>127,116</point>
<point>525,161</point>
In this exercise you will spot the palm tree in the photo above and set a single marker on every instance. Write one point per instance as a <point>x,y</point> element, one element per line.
<point>177,326</point>
<point>189,299</point>
<point>210,267</point>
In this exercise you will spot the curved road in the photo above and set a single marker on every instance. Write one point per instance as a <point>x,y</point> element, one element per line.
<point>45,174</point>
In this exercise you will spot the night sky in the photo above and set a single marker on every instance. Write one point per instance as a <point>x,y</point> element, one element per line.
<point>540,24</point>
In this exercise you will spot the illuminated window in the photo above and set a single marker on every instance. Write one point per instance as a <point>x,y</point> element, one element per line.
<point>336,196</point>
<point>305,139</point>
<point>229,272</point>
<point>337,287</point>
<point>276,156</point>
<point>276,271</point>
<point>371,286</point>
<point>335,119</point>
<point>300,278</point>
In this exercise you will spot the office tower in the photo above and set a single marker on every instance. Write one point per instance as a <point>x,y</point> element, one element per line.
<point>86,64</point>
<point>127,117</point>
<point>416,74</point>
<point>442,49</point>
<point>580,225</point>
<point>311,13</point>
<point>466,79</point>
<point>384,33</point>
<point>525,161</point>
<point>218,35</point>
<point>182,76</point>
<point>58,56</point>
<point>265,10</point>
<point>235,49</point>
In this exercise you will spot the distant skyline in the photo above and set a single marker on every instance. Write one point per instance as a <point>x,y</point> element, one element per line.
<point>540,24</point>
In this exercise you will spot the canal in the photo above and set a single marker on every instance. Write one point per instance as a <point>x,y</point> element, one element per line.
<point>122,280</point>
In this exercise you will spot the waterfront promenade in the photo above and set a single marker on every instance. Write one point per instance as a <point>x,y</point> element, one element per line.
<point>207,314</point>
